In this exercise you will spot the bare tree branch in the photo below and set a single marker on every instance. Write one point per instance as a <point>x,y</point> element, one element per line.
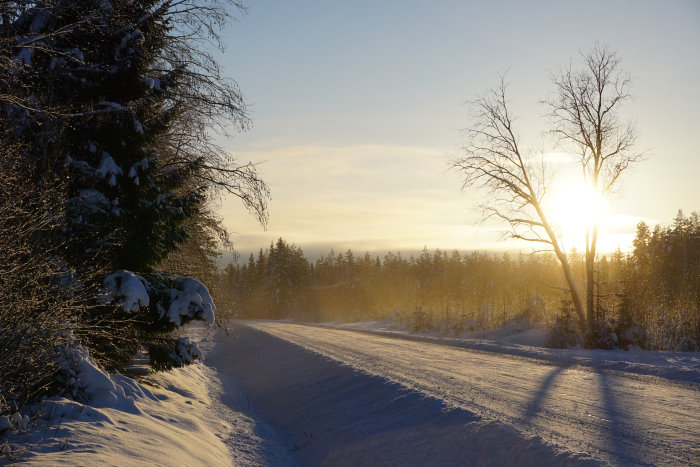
<point>586,120</point>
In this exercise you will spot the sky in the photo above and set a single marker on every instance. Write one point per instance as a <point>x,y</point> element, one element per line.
<point>358,107</point>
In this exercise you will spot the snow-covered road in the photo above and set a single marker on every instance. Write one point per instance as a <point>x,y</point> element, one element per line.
<point>393,400</point>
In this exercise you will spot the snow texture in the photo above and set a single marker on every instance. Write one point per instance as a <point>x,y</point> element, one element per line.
<point>186,352</point>
<point>134,170</point>
<point>190,298</point>
<point>82,166</point>
<point>333,412</point>
<point>128,288</point>
<point>185,416</point>
<point>523,340</point>
<point>89,381</point>
<point>93,199</point>
<point>153,83</point>
<point>476,407</point>
<point>41,18</point>
<point>276,393</point>
<point>133,36</point>
<point>108,169</point>
<point>25,55</point>
<point>110,104</point>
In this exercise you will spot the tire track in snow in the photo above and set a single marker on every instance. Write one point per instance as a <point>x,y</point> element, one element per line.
<point>616,419</point>
<point>332,413</point>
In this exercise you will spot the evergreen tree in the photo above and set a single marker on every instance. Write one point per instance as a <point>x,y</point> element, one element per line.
<point>126,202</point>
<point>105,94</point>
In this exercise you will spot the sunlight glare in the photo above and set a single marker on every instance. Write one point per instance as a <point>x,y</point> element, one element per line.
<point>576,206</point>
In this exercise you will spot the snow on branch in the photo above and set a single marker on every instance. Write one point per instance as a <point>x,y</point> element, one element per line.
<point>128,289</point>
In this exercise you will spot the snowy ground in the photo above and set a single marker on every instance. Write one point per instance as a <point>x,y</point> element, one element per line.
<point>521,339</point>
<point>352,397</point>
<point>276,393</point>
<point>187,416</point>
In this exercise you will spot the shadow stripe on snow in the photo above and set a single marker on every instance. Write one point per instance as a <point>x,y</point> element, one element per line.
<point>654,374</point>
<point>332,414</point>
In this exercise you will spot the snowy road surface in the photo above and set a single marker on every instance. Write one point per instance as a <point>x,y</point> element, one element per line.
<point>397,401</point>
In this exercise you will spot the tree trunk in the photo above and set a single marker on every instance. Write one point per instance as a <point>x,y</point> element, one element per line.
<point>573,290</point>
<point>566,267</point>
<point>591,248</point>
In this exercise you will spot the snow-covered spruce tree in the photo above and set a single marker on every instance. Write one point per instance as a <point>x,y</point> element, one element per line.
<point>114,111</point>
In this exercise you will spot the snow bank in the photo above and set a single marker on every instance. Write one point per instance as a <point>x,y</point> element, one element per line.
<point>108,168</point>
<point>101,389</point>
<point>185,416</point>
<point>171,424</point>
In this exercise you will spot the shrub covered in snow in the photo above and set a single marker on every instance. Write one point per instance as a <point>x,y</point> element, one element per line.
<point>183,352</point>
<point>106,166</point>
<point>419,320</point>
<point>189,299</point>
<point>688,344</point>
<point>602,335</point>
<point>629,334</point>
<point>154,305</point>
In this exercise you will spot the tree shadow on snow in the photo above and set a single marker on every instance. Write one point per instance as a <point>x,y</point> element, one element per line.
<point>614,432</point>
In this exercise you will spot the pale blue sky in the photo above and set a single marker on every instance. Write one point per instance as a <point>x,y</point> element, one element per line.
<point>357,108</point>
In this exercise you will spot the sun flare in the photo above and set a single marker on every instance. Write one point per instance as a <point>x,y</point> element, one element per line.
<point>575,207</point>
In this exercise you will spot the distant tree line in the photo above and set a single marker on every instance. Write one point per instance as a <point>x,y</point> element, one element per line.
<point>438,288</point>
<point>649,297</point>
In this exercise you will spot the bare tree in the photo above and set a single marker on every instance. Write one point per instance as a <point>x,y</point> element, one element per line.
<point>585,115</point>
<point>517,182</point>
<point>206,101</point>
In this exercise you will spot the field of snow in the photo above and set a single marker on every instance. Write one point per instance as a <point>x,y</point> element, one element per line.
<point>277,393</point>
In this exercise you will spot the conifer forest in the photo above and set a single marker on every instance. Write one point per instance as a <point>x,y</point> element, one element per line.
<point>648,298</point>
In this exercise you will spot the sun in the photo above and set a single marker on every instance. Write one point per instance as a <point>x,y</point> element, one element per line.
<point>574,208</point>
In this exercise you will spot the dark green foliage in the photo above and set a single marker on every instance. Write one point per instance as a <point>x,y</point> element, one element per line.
<point>602,335</point>
<point>662,285</point>
<point>126,200</point>
<point>170,353</point>
<point>629,334</point>
<point>106,163</point>
<point>651,298</point>
<point>96,97</point>
<point>115,332</point>
<point>112,337</point>
<point>160,354</point>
